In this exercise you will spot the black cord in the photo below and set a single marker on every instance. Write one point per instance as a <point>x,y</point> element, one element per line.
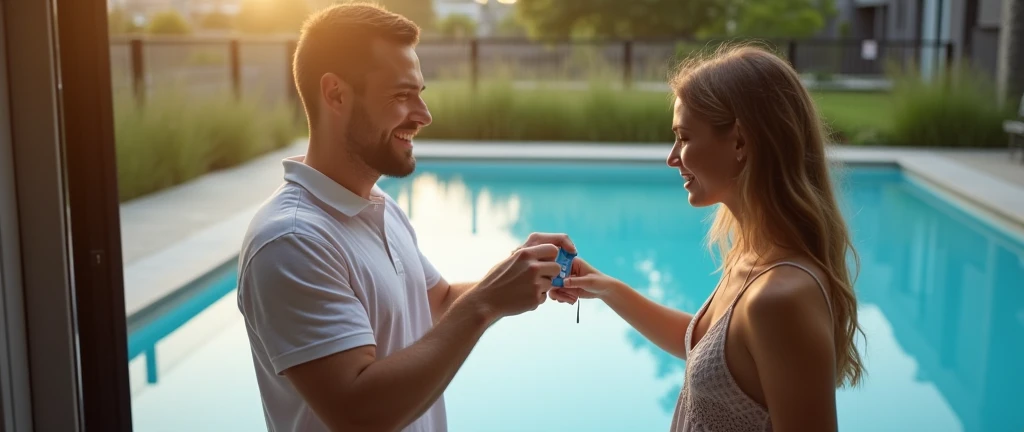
<point>578,301</point>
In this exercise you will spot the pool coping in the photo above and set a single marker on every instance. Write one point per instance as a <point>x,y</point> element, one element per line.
<point>176,268</point>
<point>180,265</point>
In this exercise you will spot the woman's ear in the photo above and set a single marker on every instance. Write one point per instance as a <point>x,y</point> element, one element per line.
<point>741,147</point>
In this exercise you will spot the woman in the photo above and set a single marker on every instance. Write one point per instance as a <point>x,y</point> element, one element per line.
<point>769,347</point>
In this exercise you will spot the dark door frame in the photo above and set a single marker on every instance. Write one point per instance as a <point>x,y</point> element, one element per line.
<point>95,229</point>
<point>63,345</point>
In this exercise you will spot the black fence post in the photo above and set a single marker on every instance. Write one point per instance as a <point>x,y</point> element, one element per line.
<point>289,87</point>
<point>627,64</point>
<point>235,64</point>
<point>138,72</point>
<point>791,54</point>
<point>474,63</point>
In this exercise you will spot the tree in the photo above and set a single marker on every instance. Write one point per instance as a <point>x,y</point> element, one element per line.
<point>119,22</point>
<point>782,18</point>
<point>216,20</point>
<point>420,12</point>
<point>509,26</point>
<point>168,22</point>
<point>271,16</point>
<point>674,18</point>
<point>457,26</point>
<point>617,18</point>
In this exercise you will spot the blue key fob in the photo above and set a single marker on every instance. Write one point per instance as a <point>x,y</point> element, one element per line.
<point>564,261</point>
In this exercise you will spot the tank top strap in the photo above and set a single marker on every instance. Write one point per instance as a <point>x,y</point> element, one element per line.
<point>828,301</point>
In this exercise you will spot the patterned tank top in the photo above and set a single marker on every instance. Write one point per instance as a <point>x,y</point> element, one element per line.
<point>710,399</point>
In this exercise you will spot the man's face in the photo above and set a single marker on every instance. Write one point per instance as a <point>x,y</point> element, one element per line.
<point>389,112</point>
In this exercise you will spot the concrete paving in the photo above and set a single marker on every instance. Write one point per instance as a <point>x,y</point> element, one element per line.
<point>156,221</point>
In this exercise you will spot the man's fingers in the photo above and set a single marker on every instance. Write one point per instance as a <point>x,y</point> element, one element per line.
<point>549,269</point>
<point>544,252</point>
<point>557,239</point>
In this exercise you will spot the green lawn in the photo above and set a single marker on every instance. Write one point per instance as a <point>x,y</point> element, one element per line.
<point>858,111</point>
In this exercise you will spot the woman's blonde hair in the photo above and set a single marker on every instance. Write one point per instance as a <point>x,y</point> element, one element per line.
<point>785,186</point>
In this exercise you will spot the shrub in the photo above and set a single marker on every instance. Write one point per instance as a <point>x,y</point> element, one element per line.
<point>602,112</point>
<point>500,111</point>
<point>956,108</point>
<point>174,137</point>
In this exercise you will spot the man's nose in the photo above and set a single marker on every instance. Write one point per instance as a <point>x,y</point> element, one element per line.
<point>421,114</point>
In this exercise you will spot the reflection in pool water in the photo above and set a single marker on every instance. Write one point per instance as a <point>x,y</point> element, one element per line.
<point>941,302</point>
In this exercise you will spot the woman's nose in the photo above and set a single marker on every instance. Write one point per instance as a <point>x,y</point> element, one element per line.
<point>673,156</point>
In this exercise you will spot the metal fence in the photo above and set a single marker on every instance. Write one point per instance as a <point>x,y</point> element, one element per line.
<point>260,67</point>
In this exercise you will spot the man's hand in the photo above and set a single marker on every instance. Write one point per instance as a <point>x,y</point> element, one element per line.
<point>519,283</point>
<point>444,294</point>
<point>559,240</point>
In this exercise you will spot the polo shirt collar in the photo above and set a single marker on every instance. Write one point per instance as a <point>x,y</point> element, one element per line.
<point>327,190</point>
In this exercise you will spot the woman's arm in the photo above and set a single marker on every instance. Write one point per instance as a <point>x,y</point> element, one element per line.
<point>664,326</point>
<point>789,336</point>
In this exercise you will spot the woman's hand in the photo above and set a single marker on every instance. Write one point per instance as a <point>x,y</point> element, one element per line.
<point>584,281</point>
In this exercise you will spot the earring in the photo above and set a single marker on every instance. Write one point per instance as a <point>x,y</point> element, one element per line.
<point>739,158</point>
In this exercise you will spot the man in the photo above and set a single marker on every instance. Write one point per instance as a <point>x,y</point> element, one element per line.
<point>351,327</point>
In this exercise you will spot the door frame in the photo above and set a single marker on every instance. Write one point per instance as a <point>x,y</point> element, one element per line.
<point>95,227</point>
<point>63,346</point>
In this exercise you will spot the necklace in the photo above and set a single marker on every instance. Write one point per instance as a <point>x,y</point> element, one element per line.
<point>725,282</point>
<point>746,279</point>
<point>751,270</point>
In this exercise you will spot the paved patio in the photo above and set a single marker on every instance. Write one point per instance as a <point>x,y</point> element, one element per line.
<point>172,237</point>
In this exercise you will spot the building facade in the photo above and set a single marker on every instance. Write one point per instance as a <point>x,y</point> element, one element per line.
<point>971,26</point>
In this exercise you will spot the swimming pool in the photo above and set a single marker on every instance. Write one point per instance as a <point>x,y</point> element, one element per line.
<point>941,292</point>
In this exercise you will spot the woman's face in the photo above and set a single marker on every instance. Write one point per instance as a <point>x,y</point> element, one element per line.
<point>709,161</point>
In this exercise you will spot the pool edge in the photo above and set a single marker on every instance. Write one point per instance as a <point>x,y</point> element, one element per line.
<point>151,279</point>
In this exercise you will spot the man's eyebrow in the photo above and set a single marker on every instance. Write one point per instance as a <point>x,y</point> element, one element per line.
<point>410,86</point>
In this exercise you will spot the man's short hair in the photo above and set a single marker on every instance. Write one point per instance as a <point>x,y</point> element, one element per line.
<point>338,39</point>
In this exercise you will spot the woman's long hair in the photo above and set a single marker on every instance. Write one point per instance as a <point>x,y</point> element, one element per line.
<point>786,189</point>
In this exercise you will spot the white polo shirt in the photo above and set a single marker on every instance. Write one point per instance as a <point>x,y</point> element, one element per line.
<point>323,270</point>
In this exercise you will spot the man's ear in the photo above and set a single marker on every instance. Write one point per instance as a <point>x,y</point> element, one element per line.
<point>335,93</point>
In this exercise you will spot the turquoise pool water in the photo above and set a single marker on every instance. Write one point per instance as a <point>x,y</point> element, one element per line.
<point>941,292</point>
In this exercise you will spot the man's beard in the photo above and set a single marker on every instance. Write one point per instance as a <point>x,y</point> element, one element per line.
<point>374,147</point>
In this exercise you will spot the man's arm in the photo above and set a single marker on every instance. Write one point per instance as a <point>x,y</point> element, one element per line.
<point>296,295</point>
<point>443,295</point>
<point>352,390</point>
